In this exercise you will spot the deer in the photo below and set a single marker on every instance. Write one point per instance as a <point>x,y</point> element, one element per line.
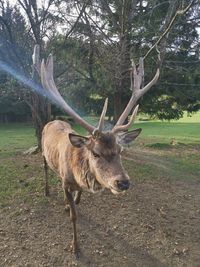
<point>93,162</point>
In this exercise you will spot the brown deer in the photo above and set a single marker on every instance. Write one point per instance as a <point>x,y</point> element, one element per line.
<point>90,162</point>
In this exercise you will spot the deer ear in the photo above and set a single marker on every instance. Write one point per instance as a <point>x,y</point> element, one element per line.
<point>78,140</point>
<point>127,137</point>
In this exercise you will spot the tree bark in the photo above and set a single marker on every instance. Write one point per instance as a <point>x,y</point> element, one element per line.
<point>41,111</point>
<point>117,105</point>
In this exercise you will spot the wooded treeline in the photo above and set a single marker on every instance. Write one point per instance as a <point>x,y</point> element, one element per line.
<point>93,43</point>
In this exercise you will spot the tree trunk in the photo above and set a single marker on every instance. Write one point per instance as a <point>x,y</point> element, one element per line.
<point>120,100</point>
<point>41,111</point>
<point>41,114</point>
<point>123,78</point>
<point>117,105</point>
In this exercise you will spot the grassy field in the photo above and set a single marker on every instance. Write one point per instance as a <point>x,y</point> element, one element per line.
<point>18,137</point>
<point>153,150</point>
<point>190,118</point>
<point>165,132</point>
<point>156,136</point>
<point>185,130</point>
<point>15,137</point>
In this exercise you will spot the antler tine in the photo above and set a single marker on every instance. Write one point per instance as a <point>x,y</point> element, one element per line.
<point>49,85</point>
<point>49,76</point>
<point>121,128</point>
<point>136,81</point>
<point>137,73</point>
<point>102,118</point>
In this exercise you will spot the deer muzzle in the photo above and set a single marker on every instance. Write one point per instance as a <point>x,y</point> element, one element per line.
<point>123,185</point>
<point>119,184</point>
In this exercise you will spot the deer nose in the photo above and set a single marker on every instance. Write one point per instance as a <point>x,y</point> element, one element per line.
<point>123,185</point>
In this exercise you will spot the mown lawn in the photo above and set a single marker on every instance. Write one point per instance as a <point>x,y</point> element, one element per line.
<point>15,137</point>
<point>165,132</point>
<point>185,130</point>
<point>21,175</point>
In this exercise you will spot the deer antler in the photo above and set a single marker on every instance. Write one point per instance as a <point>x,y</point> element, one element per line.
<point>102,118</point>
<point>46,73</point>
<point>137,76</point>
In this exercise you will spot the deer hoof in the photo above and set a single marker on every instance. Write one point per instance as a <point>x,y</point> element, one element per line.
<point>77,254</point>
<point>76,251</point>
<point>46,193</point>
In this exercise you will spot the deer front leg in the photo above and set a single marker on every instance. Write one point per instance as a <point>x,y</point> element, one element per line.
<point>73,218</point>
<point>76,197</point>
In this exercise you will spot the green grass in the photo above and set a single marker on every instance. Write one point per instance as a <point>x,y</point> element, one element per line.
<point>185,130</point>
<point>166,131</point>
<point>15,137</point>
<point>16,180</point>
<point>18,137</point>
<point>165,165</point>
<point>193,118</point>
<point>22,176</point>
<point>187,118</point>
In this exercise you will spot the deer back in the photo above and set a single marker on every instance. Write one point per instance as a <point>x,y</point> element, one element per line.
<point>56,146</point>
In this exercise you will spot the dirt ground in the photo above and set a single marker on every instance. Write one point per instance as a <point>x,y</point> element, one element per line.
<point>156,223</point>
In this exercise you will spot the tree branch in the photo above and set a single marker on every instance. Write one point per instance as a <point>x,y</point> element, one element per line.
<point>77,20</point>
<point>178,12</point>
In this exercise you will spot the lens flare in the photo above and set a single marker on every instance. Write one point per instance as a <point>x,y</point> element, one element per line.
<point>37,88</point>
<point>34,86</point>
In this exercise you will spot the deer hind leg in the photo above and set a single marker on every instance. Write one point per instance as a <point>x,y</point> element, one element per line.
<point>46,189</point>
<point>73,217</point>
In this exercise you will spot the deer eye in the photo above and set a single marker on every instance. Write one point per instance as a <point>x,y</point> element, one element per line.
<point>95,154</point>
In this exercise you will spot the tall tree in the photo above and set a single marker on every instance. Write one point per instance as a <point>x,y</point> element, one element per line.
<point>116,31</point>
<point>40,20</point>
